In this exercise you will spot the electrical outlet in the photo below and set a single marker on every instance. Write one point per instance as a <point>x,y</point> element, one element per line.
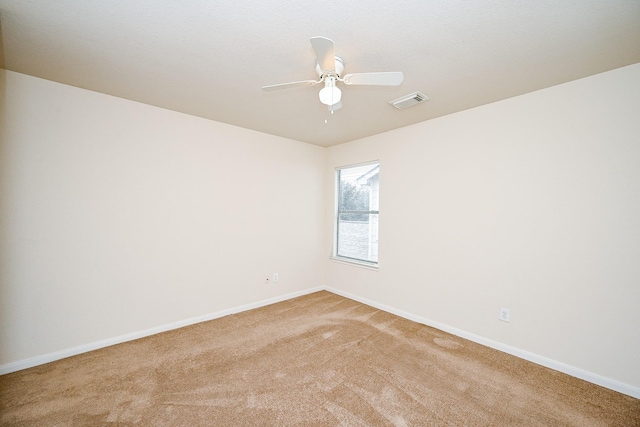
<point>505,314</point>
<point>275,277</point>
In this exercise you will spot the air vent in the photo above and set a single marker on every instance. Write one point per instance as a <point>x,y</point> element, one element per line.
<point>409,100</point>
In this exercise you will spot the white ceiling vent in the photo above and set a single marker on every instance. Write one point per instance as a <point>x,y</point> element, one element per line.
<point>409,100</point>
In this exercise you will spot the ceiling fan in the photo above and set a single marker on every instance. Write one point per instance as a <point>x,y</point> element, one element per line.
<point>329,68</point>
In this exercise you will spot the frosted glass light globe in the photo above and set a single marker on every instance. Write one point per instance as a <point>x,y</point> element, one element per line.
<point>330,94</point>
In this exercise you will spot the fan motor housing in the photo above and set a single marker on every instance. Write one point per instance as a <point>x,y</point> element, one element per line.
<point>339,68</point>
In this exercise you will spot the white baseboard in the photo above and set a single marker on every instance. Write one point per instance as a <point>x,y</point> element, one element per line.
<point>540,360</point>
<point>57,355</point>
<point>531,357</point>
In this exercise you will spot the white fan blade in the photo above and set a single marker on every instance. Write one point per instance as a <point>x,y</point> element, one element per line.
<point>290,85</point>
<point>335,107</point>
<point>391,78</point>
<point>325,53</point>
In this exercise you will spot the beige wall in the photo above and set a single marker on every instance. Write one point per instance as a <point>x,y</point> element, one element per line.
<point>118,217</point>
<point>532,204</point>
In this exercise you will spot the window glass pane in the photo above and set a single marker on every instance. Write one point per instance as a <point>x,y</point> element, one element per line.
<point>358,239</point>
<point>357,221</point>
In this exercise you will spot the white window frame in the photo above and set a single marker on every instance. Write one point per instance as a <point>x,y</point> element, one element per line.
<point>373,265</point>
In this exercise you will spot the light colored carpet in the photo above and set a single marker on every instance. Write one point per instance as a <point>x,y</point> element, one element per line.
<point>317,360</point>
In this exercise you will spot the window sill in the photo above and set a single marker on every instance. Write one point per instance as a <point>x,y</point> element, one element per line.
<point>355,263</point>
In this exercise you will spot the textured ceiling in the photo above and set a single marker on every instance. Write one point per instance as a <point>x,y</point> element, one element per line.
<point>209,58</point>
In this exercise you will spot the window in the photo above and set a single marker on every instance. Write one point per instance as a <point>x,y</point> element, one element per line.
<point>356,235</point>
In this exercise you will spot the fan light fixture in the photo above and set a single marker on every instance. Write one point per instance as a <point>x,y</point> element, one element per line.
<point>330,94</point>
<point>329,68</point>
